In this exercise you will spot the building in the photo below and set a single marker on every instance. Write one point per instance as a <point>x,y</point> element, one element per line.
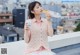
<point>0,39</point>
<point>7,35</point>
<point>6,18</point>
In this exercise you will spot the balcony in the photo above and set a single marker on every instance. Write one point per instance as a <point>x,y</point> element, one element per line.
<point>6,20</point>
<point>5,14</point>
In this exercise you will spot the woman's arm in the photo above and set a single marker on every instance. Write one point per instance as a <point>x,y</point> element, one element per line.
<point>49,28</point>
<point>27,33</point>
<point>49,24</point>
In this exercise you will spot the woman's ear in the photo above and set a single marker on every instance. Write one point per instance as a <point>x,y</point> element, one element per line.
<point>32,12</point>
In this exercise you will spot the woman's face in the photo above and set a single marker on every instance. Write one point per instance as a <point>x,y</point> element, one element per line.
<point>37,9</point>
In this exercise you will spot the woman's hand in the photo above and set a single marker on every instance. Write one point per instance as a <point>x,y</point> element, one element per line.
<point>47,14</point>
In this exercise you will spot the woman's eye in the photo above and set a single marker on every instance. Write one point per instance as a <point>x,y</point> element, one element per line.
<point>37,7</point>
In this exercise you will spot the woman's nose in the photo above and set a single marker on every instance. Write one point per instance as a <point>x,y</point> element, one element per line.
<point>41,8</point>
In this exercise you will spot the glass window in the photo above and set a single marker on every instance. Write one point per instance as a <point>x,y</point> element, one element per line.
<point>11,39</point>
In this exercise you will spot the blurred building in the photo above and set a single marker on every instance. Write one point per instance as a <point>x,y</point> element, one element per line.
<point>7,35</point>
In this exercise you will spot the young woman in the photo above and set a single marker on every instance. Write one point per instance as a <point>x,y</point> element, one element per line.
<point>36,35</point>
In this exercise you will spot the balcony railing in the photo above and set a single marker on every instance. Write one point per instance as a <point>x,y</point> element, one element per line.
<point>6,20</point>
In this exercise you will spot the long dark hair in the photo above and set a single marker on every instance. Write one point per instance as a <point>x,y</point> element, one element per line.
<point>31,7</point>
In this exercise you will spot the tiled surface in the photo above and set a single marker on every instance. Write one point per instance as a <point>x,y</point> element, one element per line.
<point>68,50</point>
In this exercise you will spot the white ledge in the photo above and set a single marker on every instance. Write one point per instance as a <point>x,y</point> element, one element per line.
<point>57,41</point>
<point>62,40</point>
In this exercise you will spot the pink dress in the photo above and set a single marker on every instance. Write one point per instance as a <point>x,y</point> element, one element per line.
<point>38,44</point>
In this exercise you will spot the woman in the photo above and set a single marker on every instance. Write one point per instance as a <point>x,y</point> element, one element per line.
<point>36,36</point>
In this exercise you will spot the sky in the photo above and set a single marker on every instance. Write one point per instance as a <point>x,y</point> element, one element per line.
<point>47,1</point>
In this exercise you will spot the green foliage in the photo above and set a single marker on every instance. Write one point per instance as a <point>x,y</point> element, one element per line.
<point>77,28</point>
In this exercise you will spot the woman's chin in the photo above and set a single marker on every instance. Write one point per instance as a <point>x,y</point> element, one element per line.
<point>39,13</point>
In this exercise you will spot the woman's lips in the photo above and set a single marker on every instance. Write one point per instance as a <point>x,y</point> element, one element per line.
<point>41,11</point>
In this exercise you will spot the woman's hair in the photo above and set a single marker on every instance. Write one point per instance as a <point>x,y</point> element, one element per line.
<point>30,8</point>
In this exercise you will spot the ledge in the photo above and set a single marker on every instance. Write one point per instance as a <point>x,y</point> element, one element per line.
<point>57,41</point>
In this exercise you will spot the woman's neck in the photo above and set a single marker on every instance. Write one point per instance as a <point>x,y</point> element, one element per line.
<point>37,17</point>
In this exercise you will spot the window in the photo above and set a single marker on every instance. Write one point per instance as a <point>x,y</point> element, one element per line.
<point>11,38</point>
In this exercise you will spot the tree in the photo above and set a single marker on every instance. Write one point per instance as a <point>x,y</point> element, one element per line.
<point>77,28</point>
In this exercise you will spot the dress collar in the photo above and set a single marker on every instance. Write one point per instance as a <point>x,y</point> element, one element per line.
<point>34,20</point>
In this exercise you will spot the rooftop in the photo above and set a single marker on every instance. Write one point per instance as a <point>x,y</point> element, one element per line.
<point>5,32</point>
